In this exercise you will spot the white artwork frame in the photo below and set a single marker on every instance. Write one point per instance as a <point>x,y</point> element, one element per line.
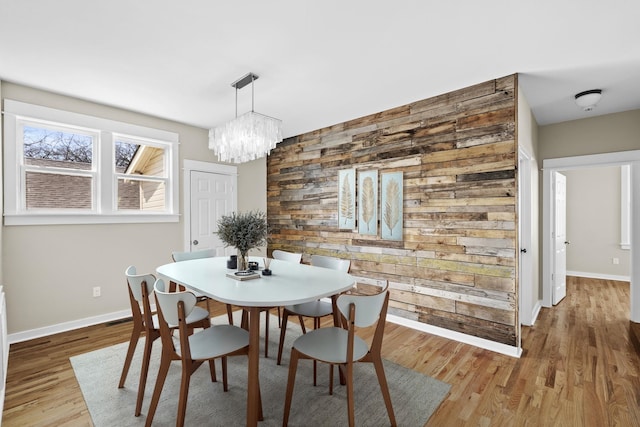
<point>347,199</point>
<point>391,206</point>
<point>368,202</point>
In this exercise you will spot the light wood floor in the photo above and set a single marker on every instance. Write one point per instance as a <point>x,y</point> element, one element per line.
<point>578,368</point>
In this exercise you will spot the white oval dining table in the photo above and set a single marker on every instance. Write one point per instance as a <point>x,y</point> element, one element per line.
<point>289,283</point>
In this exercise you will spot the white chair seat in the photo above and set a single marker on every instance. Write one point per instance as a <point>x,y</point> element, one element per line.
<point>217,341</point>
<point>197,314</point>
<point>311,309</point>
<point>330,345</point>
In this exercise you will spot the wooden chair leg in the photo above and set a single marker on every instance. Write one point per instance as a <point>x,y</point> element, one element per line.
<point>293,366</point>
<point>144,370</point>
<point>260,414</point>
<point>266,333</point>
<point>384,388</point>
<point>330,379</point>
<point>283,330</point>
<point>343,380</point>
<point>184,394</point>
<point>316,325</point>
<point>165,362</point>
<point>350,402</point>
<point>244,323</point>
<point>212,369</point>
<point>133,342</point>
<point>225,384</point>
<point>230,313</point>
<point>301,320</point>
<point>315,372</point>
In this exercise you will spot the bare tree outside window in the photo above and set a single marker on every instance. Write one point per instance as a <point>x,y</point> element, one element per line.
<point>124,154</point>
<point>47,144</point>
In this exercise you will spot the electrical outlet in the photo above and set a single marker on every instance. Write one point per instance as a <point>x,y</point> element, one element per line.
<point>616,261</point>
<point>96,291</point>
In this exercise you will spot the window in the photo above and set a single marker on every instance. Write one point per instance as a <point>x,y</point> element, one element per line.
<point>67,168</point>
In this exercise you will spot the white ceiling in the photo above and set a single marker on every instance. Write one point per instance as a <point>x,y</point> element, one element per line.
<point>323,62</point>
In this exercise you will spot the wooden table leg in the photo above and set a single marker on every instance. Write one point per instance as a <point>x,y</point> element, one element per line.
<point>254,368</point>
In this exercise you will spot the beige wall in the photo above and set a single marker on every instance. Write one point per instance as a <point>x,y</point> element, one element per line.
<point>51,270</point>
<point>593,207</point>
<point>597,135</point>
<point>528,141</point>
<point>252,191</point>
<point>602,134</point>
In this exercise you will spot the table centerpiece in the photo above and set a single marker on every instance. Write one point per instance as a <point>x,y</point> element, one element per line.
<point>244,231</point>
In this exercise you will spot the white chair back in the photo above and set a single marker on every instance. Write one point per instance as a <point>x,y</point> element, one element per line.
<point>368,307</point>
<point>331,262</point>
<point>135,281</point>
<point>286,256</point>
<point>168,302</point>
<point>185,256</point>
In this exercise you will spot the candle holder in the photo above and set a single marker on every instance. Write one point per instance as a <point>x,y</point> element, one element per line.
<point>267,263</point>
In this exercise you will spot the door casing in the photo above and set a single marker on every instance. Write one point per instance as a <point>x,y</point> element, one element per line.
<point>549,166</point>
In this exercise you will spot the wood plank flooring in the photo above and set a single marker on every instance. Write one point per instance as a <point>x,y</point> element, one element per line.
<point>579,368</point>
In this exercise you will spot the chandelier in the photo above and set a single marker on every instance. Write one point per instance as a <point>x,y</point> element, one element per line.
<point>248,137</point>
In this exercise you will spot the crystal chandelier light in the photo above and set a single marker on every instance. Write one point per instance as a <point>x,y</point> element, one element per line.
<point>248,137</point>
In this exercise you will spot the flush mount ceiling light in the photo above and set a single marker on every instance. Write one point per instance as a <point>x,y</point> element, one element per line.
<point>248,137</point>
<point>588,99</point>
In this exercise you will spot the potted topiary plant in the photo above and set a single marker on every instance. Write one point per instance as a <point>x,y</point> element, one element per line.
<point>244,231</point>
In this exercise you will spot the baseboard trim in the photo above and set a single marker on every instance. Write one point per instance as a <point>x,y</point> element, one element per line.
<point>599,276</point>
<point>67,326</point>
<point>536,311</point>
<point>457,336</point>
<point>423,327</point>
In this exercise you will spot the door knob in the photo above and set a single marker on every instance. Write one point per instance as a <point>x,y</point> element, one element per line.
<point>523,250</point>
<point>567,242</point>
<point>195,242</point>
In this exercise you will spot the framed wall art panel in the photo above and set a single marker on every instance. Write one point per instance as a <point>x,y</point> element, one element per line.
<point>347,199</point>
<point>368,202</point>
<point>391,206</point>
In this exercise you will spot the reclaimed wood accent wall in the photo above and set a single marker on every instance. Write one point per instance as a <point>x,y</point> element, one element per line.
<point>456,265</point>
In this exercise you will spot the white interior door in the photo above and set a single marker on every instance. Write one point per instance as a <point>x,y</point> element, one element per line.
<point>560,239</point>
<point>212,196</point>
<point>525,270</point>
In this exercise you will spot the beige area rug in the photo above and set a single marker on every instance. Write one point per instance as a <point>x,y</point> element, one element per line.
<point>415,396</point>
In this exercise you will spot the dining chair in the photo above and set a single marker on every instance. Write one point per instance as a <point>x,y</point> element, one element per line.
<point>290,257</point>
<point>140,288</point>
<point>202,253</point>
<point>206,345</point>
<point>280,255</point>
<point>342,347</point>
<point>314,309</point>
<point>286,256</point>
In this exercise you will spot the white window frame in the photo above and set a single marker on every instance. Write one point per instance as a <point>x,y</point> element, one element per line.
<point>105,205</point>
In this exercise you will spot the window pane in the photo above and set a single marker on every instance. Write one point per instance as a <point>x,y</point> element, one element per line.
<point>141,195</point>
<point>56,148</point>
<point>139,159</point>
<point>55,191</point>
